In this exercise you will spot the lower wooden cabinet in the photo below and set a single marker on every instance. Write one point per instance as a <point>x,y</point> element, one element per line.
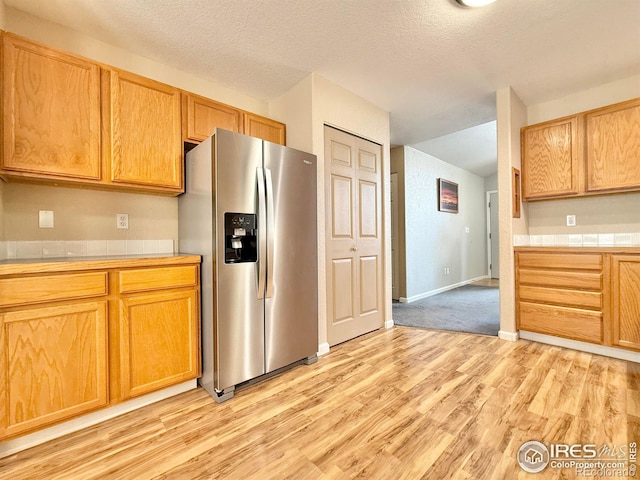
<point>158,340</point>
<point>74,340</point>
<point>586,294</point>
<point>561,294</point>
<point>53,364</point>
<point>625,304</point>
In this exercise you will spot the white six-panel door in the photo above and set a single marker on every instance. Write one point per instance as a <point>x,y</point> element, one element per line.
<point>354,235</point>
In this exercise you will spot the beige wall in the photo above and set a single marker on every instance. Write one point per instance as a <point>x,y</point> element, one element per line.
<point>326,103</point>
<point>596,97</point>
<point>491,183</point>
<point>511,116</point>
<point>82,214</point>
<point>294,109</point>
<point>599,214</point>
<point>2,220</point>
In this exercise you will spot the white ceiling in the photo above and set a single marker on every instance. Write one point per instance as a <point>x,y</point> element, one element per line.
<point>433,65</point>
<point>475,149</point>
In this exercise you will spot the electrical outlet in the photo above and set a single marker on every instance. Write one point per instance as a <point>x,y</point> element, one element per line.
<point>45,218</point>
<point>446,270</point>
<point>571,220</point>
<point>122,221</point>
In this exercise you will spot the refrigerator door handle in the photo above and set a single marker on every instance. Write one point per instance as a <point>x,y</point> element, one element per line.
<point>270,232</point>
<point>262,237</point>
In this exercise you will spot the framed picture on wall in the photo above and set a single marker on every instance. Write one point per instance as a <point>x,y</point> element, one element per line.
<point>447,196</point>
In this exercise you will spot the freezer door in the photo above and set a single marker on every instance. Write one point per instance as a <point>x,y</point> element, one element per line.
<point>239,310</point>
<point>291,323</point>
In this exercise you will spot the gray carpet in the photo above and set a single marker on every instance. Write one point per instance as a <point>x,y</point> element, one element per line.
<point>470,308</point>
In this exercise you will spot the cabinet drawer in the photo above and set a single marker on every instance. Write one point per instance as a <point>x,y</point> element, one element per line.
<point>561,321</point>
<point>29,290</point>
<point>550,278</point>
<point>560,260</point>
<point>557,296</point>
<point>155,278</point>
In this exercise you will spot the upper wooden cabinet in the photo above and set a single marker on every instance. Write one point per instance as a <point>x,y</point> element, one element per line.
<point>51,113</point>
<point>202,115</point>
<point>145,132</point>
<point>613,147</point>
<point>593,152</point>
<point>68,120</point>
<point>264,128</point>
<point>551,158</point>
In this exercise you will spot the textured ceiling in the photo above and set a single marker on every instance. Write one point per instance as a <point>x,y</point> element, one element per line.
<point>433,65</point>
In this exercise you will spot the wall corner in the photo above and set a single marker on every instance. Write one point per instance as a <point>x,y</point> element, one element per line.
<point>511,117</point>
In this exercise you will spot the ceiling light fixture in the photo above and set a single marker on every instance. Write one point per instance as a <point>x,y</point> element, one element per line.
<point>474,3</point>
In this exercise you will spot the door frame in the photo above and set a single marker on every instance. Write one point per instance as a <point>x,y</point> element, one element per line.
<point>489,232</point>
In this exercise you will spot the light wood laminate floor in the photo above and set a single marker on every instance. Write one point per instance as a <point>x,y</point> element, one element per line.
<point>401,403</point>
<point>487,282</point>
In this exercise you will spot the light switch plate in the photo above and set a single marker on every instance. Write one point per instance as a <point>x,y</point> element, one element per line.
<point>45,218</point>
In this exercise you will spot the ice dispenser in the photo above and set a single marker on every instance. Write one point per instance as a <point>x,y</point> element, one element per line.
<point>240,236</point>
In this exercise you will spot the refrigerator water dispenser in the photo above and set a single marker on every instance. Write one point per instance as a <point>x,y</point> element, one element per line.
<point>240,238</point>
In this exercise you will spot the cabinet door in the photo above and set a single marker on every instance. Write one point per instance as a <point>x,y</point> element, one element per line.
<point>53,365</point>
<point>159,339</point>
<point>625,304</point>
<point>613,147</point>
<point>146,144</point>
<point>264,128</point>
<point>51,113</point>
<point>551,159</point>
<point>204,115</point>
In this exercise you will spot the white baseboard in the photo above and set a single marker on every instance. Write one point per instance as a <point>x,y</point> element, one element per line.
<point>9,447</point>
<point>323,349</point>
<point>509,336</point>
<point>618,353</point>
<point>440,290</point>
<point>388,323</point>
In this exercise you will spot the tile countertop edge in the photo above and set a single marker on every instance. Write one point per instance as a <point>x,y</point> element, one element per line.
<point>66,264</point>
<point>577,249</point>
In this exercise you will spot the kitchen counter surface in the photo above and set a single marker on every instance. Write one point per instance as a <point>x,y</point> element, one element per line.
<point>23,266</point>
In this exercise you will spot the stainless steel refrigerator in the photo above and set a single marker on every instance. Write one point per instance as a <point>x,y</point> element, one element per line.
<point>249,209</point>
